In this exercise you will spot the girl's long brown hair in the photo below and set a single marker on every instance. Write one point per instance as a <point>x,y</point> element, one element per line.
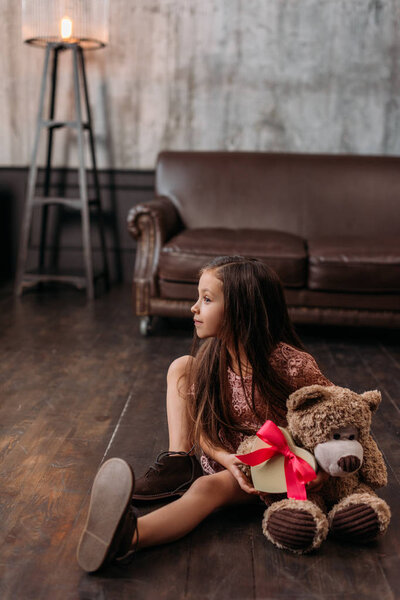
<point>255,320</point>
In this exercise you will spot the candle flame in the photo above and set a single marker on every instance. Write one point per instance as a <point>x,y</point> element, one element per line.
<point>66,28</point>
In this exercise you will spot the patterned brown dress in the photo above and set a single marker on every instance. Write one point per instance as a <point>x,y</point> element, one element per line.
<point>296,367</point>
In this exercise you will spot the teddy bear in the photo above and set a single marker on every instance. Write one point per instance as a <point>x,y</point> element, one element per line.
<point>333,423</point>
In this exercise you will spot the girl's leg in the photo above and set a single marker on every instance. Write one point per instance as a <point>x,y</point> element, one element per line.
<point>112,532</point>
<point>178,518</point>
<point>174,471</point>
<point>176,409</point>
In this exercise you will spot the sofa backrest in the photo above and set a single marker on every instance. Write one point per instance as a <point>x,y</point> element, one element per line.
<point>298,193</point>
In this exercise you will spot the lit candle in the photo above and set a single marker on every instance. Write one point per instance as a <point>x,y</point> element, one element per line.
<point>66,28</point>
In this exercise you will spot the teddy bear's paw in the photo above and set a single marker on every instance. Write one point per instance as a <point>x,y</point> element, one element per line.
<point>357,523</point>
<point>299,526</point>
<point>360,518</point>
<point>291,529</point>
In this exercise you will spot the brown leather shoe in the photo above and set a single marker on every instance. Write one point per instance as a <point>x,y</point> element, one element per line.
<point>111,521</point>
<point>171,475</point>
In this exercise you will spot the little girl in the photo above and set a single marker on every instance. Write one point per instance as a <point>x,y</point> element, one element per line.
<point>244,370</point>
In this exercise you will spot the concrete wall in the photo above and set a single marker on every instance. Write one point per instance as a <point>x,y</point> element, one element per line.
<point>284,75</point>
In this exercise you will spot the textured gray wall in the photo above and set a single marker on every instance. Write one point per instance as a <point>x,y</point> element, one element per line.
<point>284,75</point>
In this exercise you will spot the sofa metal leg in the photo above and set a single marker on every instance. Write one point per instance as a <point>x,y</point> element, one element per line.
<point>145,325</point>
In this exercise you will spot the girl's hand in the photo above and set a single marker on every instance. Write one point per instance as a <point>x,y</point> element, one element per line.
<point>316,484</point>
<point>232,465</point>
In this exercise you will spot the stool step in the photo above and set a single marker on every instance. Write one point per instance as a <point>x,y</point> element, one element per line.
<point>70,202</point>
<point>77,279</point>
<point>52,124</point>
<point>31,279</point>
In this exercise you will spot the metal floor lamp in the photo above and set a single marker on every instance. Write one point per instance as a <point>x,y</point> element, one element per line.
<point>41,25</point>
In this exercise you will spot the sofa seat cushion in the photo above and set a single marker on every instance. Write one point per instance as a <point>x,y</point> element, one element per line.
<point>186,253</point>
<point>354,264</point>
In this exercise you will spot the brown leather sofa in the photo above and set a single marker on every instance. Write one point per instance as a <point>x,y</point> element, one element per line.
<point>328,224</point>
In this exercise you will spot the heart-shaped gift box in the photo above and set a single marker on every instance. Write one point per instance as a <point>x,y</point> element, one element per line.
<point>269,476</point>
<point>277,464</point>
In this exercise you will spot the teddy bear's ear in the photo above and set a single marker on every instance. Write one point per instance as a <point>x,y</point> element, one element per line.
<point>373,399</point>
<point>306,396</point>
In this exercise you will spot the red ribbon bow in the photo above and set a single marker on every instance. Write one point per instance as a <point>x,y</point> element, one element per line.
<point>297,471</point>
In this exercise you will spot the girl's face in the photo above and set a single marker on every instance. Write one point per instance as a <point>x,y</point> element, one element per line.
<point>209,308</point>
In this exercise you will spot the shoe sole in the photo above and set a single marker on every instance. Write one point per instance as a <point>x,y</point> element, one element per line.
<point>159,496</point>
<point>111,493</point>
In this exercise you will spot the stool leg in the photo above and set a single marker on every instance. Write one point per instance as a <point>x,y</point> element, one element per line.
<point>100,215</point>
<point>87,250</point>
<point>48,161</point>
<point>28,212</point>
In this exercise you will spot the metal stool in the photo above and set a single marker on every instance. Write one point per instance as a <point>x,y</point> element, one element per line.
<point>82,203</point>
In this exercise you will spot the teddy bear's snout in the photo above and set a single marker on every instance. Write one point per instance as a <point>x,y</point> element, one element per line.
<point>349,464</point>
<point>339,458</point>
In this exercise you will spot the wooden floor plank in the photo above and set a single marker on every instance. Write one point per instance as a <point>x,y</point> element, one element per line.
<point>335,571</point>
<point>73,398</point>
<point>222,552</point>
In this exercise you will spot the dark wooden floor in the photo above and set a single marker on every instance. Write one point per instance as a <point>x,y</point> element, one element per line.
<point>79,384</point>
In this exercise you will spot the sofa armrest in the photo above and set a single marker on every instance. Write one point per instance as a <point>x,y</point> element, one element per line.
<point>163,214</point>
<point>151,224</point>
